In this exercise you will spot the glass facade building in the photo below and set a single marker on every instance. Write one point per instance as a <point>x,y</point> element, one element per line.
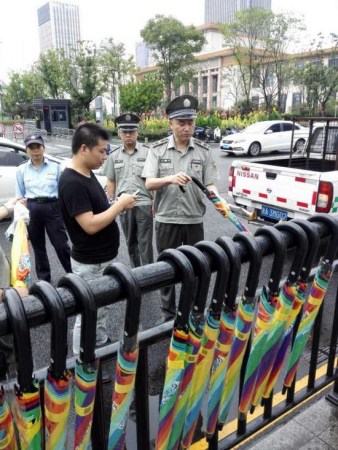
<point>223,11</point>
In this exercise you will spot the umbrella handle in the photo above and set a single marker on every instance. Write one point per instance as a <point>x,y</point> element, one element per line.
<point>218,259</point>
<point>56,311</point>
<point>332,223</point>
<point>255,262</point>
<point>183,266</point>
<point>199,184</point>
<point>83,296</point>
<point>279,245</point>
<point>22,343</point>
<point>301,243</point>
<point>202,271</point>
<point>312,236</point>
<point>230,249</point>
<point>132,290</point>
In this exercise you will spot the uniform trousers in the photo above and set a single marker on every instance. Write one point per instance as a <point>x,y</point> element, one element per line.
<point>169,235</point>
<point>137,226</point>
<point>87,272</point>
<point>47,217</point>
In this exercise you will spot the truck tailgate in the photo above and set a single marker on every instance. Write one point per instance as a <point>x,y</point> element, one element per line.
<point>283,188</point>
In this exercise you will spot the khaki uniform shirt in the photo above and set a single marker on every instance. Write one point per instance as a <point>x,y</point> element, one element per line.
<point>171,204</point>
<point>126,170</point>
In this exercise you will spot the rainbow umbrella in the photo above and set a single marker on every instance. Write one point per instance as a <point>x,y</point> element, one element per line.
<point>7,437</point>
<point>176,357</point>
<point>57,392</point>
<point>313,237</point>
<point>125,372</point>
<point>283,307</point>
<point>315,299</point>
<point>266,308</point>
<point>202,272</point>
<point>204,361</point>
<point>20,259</point>
<point>244,320</point>
<point>26,408</point>
<point>221,205</point>
<point>225,336</point>
<point>86,366</point>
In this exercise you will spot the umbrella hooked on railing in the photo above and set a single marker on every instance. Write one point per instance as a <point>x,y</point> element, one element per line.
<point>27,409</point>
<point>125,372</point>
<point>57,392</point>
<point>86,366</point>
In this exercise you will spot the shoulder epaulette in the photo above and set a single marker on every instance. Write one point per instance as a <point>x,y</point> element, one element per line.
<point>114,149</point>
<point>201,144</point>
<point>145,145</point>
<point>161,142</point>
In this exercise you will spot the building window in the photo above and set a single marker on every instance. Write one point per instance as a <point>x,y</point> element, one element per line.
<point>204,103</point>
<point>177,91</point>
<point>333,62</point>
<point>255,80</point>
<point>214,102</point>
<point>205,85</point>
<point>214,83</point>
<point>186,88</point>
<point>255,101</point>
<point>195,86</point>
<point>269,78</point>
<point>296,99</point>
<point>283,103</point>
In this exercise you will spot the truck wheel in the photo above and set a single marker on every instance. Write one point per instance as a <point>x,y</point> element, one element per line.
<point>299,145</point>
<point>254,149</point>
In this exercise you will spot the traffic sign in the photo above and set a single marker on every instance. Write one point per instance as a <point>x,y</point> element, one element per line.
<point>18,128</point>
<point>2,128</point>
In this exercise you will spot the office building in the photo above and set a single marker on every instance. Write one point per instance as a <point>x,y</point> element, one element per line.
<point>143,55</point>
<point>223,11</point>
<point>59,26</point>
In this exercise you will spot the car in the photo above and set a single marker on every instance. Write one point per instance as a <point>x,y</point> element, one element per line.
<point>265,137</point>
<point>12,154</point>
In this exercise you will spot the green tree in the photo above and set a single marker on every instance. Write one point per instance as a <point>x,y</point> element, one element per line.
<point>142,96</point>
<point>173,45</point>
<point>52,72</point>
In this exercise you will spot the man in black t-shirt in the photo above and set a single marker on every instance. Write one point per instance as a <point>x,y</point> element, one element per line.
<point>89,219</point>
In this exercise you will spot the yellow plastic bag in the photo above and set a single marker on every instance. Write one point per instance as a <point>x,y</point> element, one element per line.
<point>20,259</point>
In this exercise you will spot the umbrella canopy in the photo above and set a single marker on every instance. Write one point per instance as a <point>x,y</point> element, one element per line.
<point>244,320</point>
<point>225,336</point>
<point>20,259</point>
<point>7,437</point>
<point>315,300</point>
<point>266,308</point>
<point>176,357</point>
<point>57,392</point>
<point>26,410</point>
<point>202,272</point>
<point>86,366</point>
<point>221,205</point>
<point>125,372</point>
<point>313,237</point>
<point>218,258</point>
<point>283,307</point>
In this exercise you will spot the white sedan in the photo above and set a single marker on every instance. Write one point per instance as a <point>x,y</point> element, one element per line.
<point>12,155</point>
<point>265,137</point>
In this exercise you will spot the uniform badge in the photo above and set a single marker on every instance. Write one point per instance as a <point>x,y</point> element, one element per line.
<point>196,165</point>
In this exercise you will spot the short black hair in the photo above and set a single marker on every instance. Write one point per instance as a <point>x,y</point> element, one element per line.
<point>89,135</point>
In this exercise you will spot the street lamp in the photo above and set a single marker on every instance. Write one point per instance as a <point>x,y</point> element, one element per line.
<point>115,91</point>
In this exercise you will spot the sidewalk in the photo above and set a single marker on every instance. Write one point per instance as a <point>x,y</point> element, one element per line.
<point>313,425</point>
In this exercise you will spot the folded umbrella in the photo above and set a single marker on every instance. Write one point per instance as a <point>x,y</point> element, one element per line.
<point>125,372</point>
<point>225,336</point>
<point>86,366</point>
<point>57,385</point>
<point>284,304</point>
<point>218,258</point>
<point>26,408</point>
<point>266,308</point>
<point>7,437</point>
<point>176,357</point>
<point>244,320</point>
<point>20,259</point>
<point>315,299</point>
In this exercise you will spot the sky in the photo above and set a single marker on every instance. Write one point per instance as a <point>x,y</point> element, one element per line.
<point>122,20</point>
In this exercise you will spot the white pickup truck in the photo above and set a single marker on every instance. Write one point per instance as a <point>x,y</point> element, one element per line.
<point>286,187</point>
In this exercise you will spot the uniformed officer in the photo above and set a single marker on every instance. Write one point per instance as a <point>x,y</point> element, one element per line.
<point>123,169</point>
<point>170,164</point>
<point>37,187</point>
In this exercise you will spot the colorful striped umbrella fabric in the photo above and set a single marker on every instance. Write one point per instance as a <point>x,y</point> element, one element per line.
<point>225,336</point>
<point>266,309</point>
<point>243,325</point>
<point>221,205</point>
<point>125,372</point>
<point>209,338</point>
<point>7,437</point>
<point>315,299</point>
<point>283,308</point>
<point>178,344</point>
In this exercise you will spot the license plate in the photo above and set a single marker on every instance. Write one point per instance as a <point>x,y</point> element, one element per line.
<point>274,213</point>
<point>225,146</point>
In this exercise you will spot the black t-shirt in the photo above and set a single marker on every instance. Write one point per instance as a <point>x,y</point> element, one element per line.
<point>79,194</point>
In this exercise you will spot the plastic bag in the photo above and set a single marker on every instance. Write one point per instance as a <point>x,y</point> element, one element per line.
<point>20,212</point>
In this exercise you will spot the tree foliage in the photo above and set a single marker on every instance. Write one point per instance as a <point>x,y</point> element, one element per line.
<point>173,45</point>
<point>52,72</point>
<point>143,96</point>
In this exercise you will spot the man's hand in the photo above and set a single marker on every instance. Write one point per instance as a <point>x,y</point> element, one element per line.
<point>127,201</point>
<point>180,179</point>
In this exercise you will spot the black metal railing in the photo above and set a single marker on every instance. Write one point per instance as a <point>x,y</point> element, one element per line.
<point>312,243</point>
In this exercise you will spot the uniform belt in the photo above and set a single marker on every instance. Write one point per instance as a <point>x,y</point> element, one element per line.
<point>43,199</point>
